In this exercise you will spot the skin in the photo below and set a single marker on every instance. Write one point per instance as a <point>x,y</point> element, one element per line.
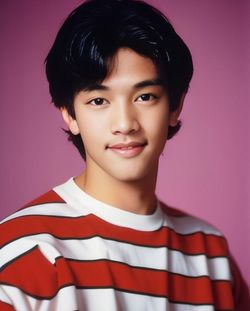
<point>123,123</point>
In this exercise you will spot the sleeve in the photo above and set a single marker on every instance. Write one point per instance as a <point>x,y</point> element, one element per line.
<point>30,282</point>
<point>240,288</point>
<point>24,278</point>
<point>6,307</point>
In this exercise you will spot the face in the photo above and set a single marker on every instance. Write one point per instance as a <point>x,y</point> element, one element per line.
<point>124,120</point>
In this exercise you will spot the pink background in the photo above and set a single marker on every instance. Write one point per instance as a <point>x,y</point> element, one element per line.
<point>205,169</point>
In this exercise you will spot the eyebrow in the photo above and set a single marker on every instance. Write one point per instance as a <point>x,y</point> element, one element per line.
<point>142,84</point>
<point>146,83</point>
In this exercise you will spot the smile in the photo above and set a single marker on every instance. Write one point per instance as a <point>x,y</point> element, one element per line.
<point>129,150</point>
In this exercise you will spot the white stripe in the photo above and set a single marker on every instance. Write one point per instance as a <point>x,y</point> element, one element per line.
<point>65,300</point>
<point>93,299</point>
<point>189,225</point>
<point>48,209</point>
<point>110,300</point>
<point>138,256</point>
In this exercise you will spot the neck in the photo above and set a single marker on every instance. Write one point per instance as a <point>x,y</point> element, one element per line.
<point>133,196</point>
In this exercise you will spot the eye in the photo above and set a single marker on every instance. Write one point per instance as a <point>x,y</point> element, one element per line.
<point>146,97</point>
<point>98,101</point>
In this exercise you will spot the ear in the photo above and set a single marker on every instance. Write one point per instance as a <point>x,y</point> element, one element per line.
<point>70,121</point>
<point>174,115</point>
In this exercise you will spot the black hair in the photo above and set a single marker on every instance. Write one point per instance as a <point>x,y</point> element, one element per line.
<point>91,36</point>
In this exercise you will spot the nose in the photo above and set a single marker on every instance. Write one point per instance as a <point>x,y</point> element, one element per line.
<point>124,119</point>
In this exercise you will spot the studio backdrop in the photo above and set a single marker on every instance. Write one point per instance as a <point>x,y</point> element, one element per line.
<point>204,170</point>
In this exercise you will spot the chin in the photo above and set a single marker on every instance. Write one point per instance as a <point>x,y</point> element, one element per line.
<point>131,175</point>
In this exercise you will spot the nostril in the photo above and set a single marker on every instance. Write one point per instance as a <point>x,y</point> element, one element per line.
<point>125,131</point>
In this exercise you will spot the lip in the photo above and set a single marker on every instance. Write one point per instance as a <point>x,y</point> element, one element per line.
<point>127,150</point>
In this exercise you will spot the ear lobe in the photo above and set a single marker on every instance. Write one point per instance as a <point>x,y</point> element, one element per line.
<point>70,121</point>
<point>174,115</point>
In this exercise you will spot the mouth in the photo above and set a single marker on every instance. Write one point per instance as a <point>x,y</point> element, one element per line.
<point>127,150</point>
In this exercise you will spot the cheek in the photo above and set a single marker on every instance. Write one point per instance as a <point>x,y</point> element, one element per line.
<point>157,124</point>
<point>91,130</point>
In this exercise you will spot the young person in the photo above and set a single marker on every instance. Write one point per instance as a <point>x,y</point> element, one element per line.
<point>102,241</point>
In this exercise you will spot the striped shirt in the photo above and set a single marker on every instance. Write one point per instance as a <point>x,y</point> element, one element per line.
<point>68,251</point>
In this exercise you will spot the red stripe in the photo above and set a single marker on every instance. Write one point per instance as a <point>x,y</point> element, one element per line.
<point>88,226</point>
<point>176,288</point>
<point>6,307</point>
<point>85,227</point>
<point>34,275</point>
<point>224,299</point>
<point>48,197</point>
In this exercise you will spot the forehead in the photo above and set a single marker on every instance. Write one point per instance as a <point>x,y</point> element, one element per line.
<point>126,63</point>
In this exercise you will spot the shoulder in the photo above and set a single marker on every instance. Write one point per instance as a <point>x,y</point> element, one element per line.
<point>27,250</point>
<point>49,197</point>
<point>204,238</point>
<point>51,203</point>
<point>36,206</point>
<point>196,236</point>
<point>26,219</point>
<point>42,224</point>
<point>31,218</point>
<point>185,223</point>
<point>41,214</point>
<point>30,244</point>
